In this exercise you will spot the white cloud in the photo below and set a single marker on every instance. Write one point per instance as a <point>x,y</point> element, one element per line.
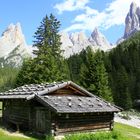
<point>90,11</point>
<point>76,26</point>
<point>71,5</point>
<point>113,14</point>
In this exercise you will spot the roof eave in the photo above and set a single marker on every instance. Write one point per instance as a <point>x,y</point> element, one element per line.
<point>13,97</point>
<point>62,112</point>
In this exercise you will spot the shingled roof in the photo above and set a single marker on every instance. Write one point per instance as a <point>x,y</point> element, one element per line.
<point>75,104</point>
<point>61,104</point>
<point>29,91</point>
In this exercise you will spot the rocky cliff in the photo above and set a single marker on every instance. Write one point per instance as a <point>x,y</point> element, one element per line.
<point>99,40</point>
<point>76,42</point>
<point>132,22</point>
<point>13,47</point>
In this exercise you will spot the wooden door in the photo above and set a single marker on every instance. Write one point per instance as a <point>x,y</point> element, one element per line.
<point>40,120</point>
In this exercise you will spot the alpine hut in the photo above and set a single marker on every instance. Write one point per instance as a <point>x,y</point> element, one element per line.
<point>56,108</point>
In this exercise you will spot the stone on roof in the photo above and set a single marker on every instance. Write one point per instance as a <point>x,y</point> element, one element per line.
<point>76,104</point>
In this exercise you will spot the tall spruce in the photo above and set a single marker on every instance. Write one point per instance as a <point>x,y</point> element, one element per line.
<point>48,64</point>
<point>122,95</point>
<point>94,76</point>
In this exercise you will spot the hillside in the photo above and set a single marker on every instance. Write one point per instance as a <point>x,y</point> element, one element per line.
<point>123,66</point>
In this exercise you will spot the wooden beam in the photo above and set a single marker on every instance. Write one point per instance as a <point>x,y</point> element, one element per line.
<point>76,90</point>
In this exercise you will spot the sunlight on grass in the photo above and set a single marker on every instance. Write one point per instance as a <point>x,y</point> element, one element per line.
<point>121,132</point>
<point>128,131</point>
<point>5,136</point>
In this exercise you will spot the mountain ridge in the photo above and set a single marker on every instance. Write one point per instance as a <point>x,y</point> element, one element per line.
<point>74,43</point>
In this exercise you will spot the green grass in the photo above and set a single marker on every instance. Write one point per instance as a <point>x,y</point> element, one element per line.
<point>121,132</point>
<point>6,136</point>
<point>128,131</point>
<point>114,135</point>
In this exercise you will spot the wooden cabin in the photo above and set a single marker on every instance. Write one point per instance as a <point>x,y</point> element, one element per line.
<point>56,108</point>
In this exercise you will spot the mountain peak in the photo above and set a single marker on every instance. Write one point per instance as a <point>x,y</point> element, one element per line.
<point>133,7</point>
<point>14,32</point>
<point>18,27</point>
<point>73,43</point>
<point>95,32</point>
<point>11,26</point>
<point>98,39</point>
<point>78,37</point>
<point>13,38</point>
<point>132,21</point>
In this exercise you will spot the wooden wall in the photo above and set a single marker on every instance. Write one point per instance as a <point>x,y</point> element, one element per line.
<point>68,123</point>
<point>27,115</point>
<point>16,112</point>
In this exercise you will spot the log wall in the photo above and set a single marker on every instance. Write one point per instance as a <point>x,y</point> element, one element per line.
<point>16,112</point>
<point>68,123</point>
<point>27,115</point>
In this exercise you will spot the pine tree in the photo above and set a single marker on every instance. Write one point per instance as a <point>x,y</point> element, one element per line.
<point>25,75</point>
<point>94,76</point>
<point>122,96</point>
<point>74,63</point>
<point>7,78</point>
<point>48,65</point>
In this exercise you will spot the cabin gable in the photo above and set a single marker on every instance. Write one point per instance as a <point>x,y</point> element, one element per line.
<point>68,90</point>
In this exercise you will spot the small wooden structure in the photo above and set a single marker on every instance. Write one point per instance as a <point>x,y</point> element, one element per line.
<point>56,108</point>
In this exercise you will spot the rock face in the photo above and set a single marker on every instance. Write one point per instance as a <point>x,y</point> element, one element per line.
<point>76,42</point>
<point>132,22</point>
<point>98,39</point>
<point>13,48</point>
<point>73,43</point>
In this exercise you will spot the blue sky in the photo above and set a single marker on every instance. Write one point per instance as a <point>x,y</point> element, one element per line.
<point>75,15</point>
